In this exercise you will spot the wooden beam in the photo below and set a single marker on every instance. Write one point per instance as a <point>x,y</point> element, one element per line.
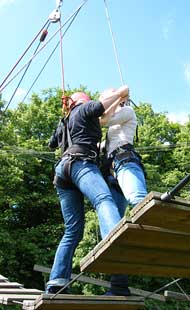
<point>79,302</point>
<point>173,214</point>
<point>9,299</point>
<point>141,250</point>
<point>21,291</point>
<point>82,278</point>
<point>3,279</point>
<point>10,285</point>
<point>106,284</point>
<point>147,294</point>
<point>175,295</point>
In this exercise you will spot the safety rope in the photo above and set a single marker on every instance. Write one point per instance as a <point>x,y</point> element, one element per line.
<point>59,4</point>
<point>55,33</point>
<point>163,287</point>
<point>22,56</point>
<point>42,38</point>
<point>116,54</point>
<point>48,59</point>
<point>182,290</point>
<point>55,17</point>
<point>113,41</point>
<point>67,284</point>
<point>175,281</point>
<point>61,56</point>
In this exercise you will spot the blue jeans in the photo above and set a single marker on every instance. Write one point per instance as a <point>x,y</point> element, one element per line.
<point>88,179</point>
<point>131,180</point>
<point>118,197</point>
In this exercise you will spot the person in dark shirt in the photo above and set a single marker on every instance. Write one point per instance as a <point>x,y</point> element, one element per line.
<point>77,175</point>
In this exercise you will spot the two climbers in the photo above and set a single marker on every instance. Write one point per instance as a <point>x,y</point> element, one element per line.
<point>78,175</point>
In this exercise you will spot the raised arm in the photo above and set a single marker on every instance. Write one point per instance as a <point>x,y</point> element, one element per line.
<point>104,119</point>
<point>110,99</point>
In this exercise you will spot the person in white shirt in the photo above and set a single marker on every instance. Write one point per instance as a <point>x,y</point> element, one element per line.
<point>126,162</point>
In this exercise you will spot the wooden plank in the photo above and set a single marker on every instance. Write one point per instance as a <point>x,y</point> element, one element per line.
<point>21,291</point>
<point>173,214</point>
<point>9,299</point>
<point>10,285</point>
<point>175,295</point>
<point>147,294</point>
<point>82,278</point>
<point>141,250</point>
<point>80,302</point>
<point>103,283</point>
<point>2,278</point>
<point>28,304</point>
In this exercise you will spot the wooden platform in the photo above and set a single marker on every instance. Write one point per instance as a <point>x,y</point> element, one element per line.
<point>3,279</point>
<point>174,214</point>
<point>78,302</point>
<point>10,285</point>
<point>106,284</point>
<point>141,250</point>
<point>12,292</point>
<point>12,299</point>
<point>154,241</point>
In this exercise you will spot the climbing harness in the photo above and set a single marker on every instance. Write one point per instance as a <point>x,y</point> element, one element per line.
<point>73,153</point>
<point>70,152</point>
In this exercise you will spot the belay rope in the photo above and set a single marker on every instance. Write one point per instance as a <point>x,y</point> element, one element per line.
<point>54,17</point>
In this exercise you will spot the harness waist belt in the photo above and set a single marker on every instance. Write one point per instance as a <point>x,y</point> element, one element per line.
<point>123,148</point>
<point>77,151</point>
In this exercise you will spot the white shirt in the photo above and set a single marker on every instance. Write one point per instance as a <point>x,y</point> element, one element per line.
<point>122,128</point>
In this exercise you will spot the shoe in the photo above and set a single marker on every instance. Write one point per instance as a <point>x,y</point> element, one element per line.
<point>55,289</point>
<point>124,292</point>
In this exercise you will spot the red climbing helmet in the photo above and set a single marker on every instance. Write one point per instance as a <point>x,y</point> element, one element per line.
<point>69,102</point>
<point>80,96</point>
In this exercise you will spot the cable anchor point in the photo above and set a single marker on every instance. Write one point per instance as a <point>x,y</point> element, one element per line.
<point>59,3</point>
<point>55,16</point>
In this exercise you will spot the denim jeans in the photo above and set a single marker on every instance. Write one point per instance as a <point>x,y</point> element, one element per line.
<point>131,180</point>
<point>72,208</point>
<point>119,199</point>
<point>88,179</point>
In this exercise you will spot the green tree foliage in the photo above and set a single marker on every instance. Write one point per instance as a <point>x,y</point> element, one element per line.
<point>30,219</point>
<point>161,145</point>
